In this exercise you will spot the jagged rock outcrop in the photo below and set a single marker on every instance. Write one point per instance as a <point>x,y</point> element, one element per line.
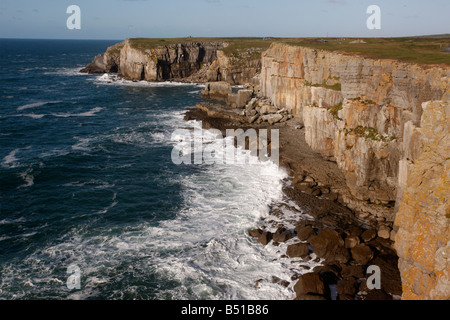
<point>167,62</point>
<point>237,69</point>
<point>423,219</point>
<point>355,111</point>
<point>188,62</point>
<point>107,62</point>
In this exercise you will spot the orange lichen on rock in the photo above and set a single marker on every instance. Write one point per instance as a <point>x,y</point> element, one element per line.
<point>423,240</point>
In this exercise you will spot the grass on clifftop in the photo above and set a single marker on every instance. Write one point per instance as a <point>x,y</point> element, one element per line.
<point>234,44</point>
<point>427,50</point>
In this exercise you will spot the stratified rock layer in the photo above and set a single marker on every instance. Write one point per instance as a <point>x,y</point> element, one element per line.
<point>423,219</point>
<point>188,62</point>
<point>358,112</point>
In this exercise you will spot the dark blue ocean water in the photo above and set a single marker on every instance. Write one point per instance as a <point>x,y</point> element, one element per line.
<point>86,179</point>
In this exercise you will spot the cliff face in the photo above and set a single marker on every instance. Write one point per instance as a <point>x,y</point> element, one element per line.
<point>107,62</point>
<point>423,219</point>
<point>386,124</point>
<point>355,112</point>
<point>170,62</point>
<point>191,62</point>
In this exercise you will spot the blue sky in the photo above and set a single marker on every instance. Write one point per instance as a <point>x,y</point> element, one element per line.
<point>119,19</point>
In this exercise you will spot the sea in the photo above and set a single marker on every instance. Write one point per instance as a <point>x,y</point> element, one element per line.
<point>87,183</point>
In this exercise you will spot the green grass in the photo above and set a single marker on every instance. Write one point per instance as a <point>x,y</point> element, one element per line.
<point>334,110</point>
<point>336,86</point>
<point>369,133</point>
<point>116,49</point>
<point>422,50</point>
<point>365,102</point>
<point>235,45</point>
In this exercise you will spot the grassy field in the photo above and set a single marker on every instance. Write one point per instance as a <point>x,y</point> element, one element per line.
<point>427,50</point>
<point>423,50</point>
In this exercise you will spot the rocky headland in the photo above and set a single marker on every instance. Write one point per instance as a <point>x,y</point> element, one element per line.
<point>366,143</point>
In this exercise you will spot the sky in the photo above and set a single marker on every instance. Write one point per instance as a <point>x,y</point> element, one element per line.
<point>120,19</point>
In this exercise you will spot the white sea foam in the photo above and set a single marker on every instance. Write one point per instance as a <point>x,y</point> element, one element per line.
<point>36,104</point>
<point>205,252</point>
<point>91,113</point>
<point>34,116</point>
<point>10,159</point>
<point>112,79</point>
<point>31,105</point>
<point>83,144</point>
<point>158,137</point>
<point>66,72</point>
<point>99,184</point>
<point>13,221</point>
<point>28,177</point>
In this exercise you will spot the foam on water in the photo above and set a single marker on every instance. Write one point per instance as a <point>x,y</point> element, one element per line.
<point>10,159</point>
<point>189,242</point>
<point>91,113</point>
<point>37,104</point>
<point>111,79</point>
<point>205,252</point>
<point>28,178</point>
<point>67,71</point>
<point>34,116</point>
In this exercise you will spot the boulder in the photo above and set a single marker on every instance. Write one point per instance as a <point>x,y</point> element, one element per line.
<point>232,100</point>
<point>368,235</point>
<point>272,118</point>
<point>351,242</point>
<point>305,233</point>
<point>243,97</point>
<point>217,90</point>
<point>353,231</point>
<point>348,272</point>
<point>282,235</point>
<point>279,281</point>
<point>299,250</point>
<point>362,254</point>
<point>304,187</point>
<point>311,181</point>
<point>391,281</point>
<point>331,196</point>
<point>384,232</point>
<point>253,119</point>
<point>348,287</point>
<point>251,113</point>
<point>329,245</point>
<point>268,109</point>
<point>251,105</point>
<point>256,233</point>
<point>329,274</point>
<point>265,238</point>
<point>310,283</point>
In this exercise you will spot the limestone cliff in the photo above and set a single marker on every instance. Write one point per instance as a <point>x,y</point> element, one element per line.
<point>107,62</point>
<point>386,124</point>
<point>423,219</point>
<point>184,61</point>
<point>355,111</point>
